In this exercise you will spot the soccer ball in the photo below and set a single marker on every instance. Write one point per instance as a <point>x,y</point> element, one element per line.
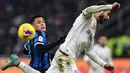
<point>28,29</point>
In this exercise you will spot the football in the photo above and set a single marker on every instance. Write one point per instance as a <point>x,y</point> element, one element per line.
<point>26,31</point>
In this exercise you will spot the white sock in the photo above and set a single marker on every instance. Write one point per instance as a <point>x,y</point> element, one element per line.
<point>27,69</point>
<point>21,65</point>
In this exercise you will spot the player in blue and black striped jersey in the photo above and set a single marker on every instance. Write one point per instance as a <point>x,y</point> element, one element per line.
<point>39,57</point>
<point>37,49</point>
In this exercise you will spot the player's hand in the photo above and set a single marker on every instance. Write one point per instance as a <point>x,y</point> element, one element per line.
<point>115,5</point>
<point>27,33</point>
<point>109,67</point>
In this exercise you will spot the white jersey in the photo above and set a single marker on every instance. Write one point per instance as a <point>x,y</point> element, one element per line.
<point>104,53</point>
<point>81,35</point>
<point>78,36</point>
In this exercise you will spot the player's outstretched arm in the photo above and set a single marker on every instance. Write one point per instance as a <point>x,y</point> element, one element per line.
<point>97,8</point>
<point>46,47</point>
<point>99,61</point>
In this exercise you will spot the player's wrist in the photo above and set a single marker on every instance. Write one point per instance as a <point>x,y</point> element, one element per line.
<point>103,64</point>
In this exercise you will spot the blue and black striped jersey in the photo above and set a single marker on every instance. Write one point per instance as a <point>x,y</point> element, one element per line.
<point>39,59</point>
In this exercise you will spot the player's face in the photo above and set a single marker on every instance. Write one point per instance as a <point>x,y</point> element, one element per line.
<point>39,24</point>
<point>104,16</point>
<point>103,40</point>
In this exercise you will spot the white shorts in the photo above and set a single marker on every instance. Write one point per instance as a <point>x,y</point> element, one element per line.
<point>62,64</point>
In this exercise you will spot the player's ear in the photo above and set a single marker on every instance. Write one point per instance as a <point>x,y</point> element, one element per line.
<point>34,26</point>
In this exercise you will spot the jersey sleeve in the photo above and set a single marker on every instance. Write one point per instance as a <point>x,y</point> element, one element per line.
<point>93,9</point>
<point>91,54</point>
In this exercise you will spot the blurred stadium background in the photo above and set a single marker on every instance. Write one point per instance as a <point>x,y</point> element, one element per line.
<point>59,16</point>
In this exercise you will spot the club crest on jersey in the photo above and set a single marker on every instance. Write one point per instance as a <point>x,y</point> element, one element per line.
<point>40,38</point>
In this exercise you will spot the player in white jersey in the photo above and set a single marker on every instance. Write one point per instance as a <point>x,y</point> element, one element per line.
<point>81,37</point>
<point>103,52</point>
